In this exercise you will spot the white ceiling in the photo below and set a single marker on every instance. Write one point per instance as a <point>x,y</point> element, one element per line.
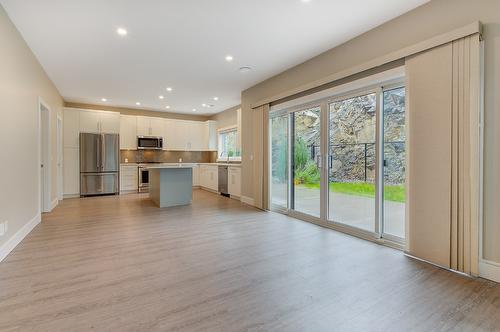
<point>183,43</point>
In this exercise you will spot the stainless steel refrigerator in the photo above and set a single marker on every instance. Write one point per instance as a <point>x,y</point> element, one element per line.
<point>99,164</point>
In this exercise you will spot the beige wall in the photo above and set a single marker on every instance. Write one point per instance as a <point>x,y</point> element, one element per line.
<point>138,112</point>
<point>22,82</point>
<point>434,18</point>
<point>227,118</point>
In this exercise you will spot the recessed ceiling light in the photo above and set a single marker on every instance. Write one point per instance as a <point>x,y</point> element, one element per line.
<point>203,105</point>
<point>138,104</point>
<point>121,31</point>
<point>229,58</point>
<point>104,100</point>
<point>216,98</point>
<point>194,109</point>
<point>169,89</point>
<point>161,97</point>
<point>245,69</point>
<point>167,107</point>
<point>306,1</point>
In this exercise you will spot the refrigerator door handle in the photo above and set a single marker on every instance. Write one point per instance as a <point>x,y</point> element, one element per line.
<point>99,153</point>
<point>103,151</point>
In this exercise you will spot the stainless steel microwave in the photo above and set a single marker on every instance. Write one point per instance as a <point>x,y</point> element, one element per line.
<point>149,143</point>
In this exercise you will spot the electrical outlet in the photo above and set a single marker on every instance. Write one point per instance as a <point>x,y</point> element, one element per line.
<point>4,226</point>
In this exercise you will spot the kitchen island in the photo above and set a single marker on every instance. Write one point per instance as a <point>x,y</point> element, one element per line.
<point>171,184</point>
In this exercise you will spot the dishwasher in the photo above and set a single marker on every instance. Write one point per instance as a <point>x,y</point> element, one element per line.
<point>223,181</point>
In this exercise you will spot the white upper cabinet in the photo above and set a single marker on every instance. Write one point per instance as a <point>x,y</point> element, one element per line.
<point>71,128</point>
<point>211,135</point>
<point>128,132</point>
<point>99,122</point>
<point>171,140</point>
<point>183,135</point>
<point>157,126</point>
<point>143,126</point>
<point>150,126</point>
<point>197,138</point>
<point>110,122</point>
<point>90,122</point>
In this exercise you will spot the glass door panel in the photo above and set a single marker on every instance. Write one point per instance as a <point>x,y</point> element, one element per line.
<point>394,162</point>
<point>306,186</point>
<point>352,162</point>
<point>279,161</point>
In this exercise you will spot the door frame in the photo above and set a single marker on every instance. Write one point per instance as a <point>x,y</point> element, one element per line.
<point>378,236</point>
<point>44,181</point>
<point>59,142</point>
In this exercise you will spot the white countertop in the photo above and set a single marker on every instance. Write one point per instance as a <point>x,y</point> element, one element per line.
<point>165,166</point>
<point>152,165</point>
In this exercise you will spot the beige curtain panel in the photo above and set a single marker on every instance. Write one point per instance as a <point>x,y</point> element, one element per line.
<point>443,91</point>
<point>261,156</point>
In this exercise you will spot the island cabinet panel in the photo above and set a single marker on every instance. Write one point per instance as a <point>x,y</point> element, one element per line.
<point>196,176</point>
<point>171,185</point>
<point>234,181</point>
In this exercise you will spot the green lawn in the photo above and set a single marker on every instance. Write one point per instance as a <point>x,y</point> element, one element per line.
<point>395,193</point>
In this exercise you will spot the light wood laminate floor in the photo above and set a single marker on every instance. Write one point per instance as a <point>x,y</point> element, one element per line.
<point>122,264</point>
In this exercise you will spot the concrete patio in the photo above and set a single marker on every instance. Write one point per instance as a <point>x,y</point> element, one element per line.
<point>356,211</point>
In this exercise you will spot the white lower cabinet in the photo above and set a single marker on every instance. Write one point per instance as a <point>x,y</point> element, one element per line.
<point>234,181</point>
<point>71,172</point>
<point>209,177</point>
<point>129,177</point>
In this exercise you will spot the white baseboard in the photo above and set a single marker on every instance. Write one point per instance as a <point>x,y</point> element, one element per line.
<point>54,203</point>
<point>489,270</point>
<point>8,246</point>
<point>238,198</point>
<point>248,200</point>
<point>66,196</point>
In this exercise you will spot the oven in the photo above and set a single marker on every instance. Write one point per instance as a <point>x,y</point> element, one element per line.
<point>143,179</point>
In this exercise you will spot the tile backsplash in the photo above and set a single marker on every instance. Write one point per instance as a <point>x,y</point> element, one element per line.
<point>145,156</point>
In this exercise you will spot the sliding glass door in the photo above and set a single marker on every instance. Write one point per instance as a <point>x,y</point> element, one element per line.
<point>357,180</point>
<point>278,132</point>
<point>306,185</point>
<point>352,161</point>
<point>394,194</point>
